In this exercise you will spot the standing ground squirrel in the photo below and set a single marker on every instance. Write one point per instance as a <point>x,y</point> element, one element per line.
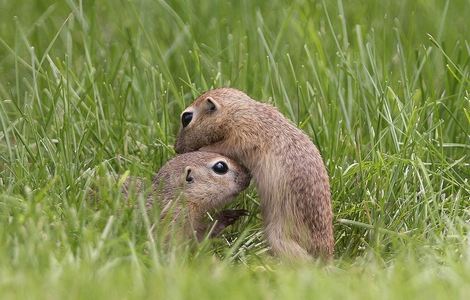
<point>192,184</point>
<point>291,178</point>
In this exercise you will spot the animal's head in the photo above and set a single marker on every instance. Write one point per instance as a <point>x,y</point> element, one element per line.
<point>203,180</point>
<point>210,118</point>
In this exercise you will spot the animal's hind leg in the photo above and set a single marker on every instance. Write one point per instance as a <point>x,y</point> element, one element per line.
<point>283,246</point>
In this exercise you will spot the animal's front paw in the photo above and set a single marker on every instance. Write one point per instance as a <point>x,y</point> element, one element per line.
<point>226,218</point>
<point>230,216</point>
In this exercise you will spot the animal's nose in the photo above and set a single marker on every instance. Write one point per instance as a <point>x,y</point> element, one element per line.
<point>244,178</point>
<point>178,147</point>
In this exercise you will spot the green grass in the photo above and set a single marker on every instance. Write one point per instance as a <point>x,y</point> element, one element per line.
<point>90,88</point>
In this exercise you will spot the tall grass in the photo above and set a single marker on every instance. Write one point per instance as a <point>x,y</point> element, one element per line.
<point>91,88</point>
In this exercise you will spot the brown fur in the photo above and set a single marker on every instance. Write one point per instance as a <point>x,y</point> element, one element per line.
<point>288,170</point>
<point>188,203</point>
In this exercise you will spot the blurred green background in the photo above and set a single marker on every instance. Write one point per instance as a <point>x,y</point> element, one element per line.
<point>90,88</point>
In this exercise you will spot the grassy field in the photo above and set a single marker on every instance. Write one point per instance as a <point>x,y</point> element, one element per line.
<point>91,88</point>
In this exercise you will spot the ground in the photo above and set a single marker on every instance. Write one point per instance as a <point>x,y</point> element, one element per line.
<point>95,88</point>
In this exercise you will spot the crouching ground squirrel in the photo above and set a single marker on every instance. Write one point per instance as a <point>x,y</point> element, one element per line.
<point>192,184</point>
<point>290,176</point>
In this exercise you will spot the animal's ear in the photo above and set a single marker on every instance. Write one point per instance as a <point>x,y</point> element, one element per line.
<point>211,104</point>
<point>188,176</point>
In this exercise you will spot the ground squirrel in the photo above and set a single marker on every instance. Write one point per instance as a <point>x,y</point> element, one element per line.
<point>290,176</point>
<point>192,184</point>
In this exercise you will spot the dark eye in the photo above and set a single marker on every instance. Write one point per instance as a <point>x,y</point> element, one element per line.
<point>220,167</point>
<point>186,118</point>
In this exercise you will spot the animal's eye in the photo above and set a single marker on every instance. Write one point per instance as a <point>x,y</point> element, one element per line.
<point>186,118</point>
<point>220,167</point>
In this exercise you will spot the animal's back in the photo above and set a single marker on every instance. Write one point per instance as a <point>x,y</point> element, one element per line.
<point>295,183</point>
